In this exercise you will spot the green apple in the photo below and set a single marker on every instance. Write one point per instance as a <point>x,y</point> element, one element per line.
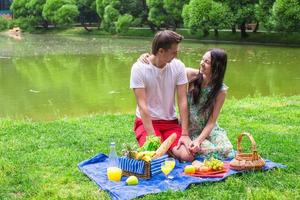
<point>132,180</point>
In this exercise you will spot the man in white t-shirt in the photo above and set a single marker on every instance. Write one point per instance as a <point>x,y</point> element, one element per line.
<point>155,85</point>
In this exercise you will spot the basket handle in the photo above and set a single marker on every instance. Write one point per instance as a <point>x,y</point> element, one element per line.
<point>239,148</point>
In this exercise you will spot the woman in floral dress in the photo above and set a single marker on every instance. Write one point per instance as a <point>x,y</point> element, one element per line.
<point>206,96</point>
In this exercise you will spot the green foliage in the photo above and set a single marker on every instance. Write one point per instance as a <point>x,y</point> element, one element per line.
<point>157,14</point>
<point>102,4</point>
<point>66,14</point>
<point>28,13</point>
<point>3,23</point>
<point>110,17</point>
<point>18,7</point>
<point>263,13</point>
<point>174,10</point>
<point>286,15</point>
<point>123,23</point>
<point>246,13</point>
<point>220,16</point>
<point>137,22</point>
<point>196,14</point>
<point>25,23</point>
<point>152,144</point>
<point>60,12</point>
<point>87,11</point>
<point>136,8</point>
<point>279,15</point>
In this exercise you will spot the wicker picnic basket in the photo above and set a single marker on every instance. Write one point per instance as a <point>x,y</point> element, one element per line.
<point>143,169</point>
<point>145,175</point>
<point>244,161</point>
<point>140,168</point>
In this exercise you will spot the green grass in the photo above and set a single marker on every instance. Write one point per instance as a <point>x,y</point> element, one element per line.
<point>291,39</point>
<point>39,159</point>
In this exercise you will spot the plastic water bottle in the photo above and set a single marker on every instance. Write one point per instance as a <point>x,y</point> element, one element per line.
<point>113,157</point>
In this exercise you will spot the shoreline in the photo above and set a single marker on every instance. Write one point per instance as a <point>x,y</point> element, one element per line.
<point>225,36</point>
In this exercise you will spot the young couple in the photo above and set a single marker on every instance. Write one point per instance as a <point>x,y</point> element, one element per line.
<point>156,80</point>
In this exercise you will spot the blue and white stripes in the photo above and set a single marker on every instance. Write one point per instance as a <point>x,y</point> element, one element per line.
<point>156,164</point>
<point>132,165</point>
<point>138,166</point>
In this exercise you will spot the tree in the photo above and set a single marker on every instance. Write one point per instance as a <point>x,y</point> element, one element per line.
<point>110,17</point>
<point>157,15</point>
<point>174,10</point>
<point>35,9</point>
<point>101,5</point>
<point>286,15</point>
<point>123,23</point>
<point>219,17</point>
<point>196,15</point>
<point>28,13</point>
<point>66,14</point>
<point>263,13</point>
<point>244,12</point>
<point>55,11</point>
<point>18,7</point>
<point>206,15</point>
<point>137,9</point>
<point>87,12</point>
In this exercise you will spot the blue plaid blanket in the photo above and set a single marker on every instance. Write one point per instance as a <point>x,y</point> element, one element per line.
<point>95,169</point>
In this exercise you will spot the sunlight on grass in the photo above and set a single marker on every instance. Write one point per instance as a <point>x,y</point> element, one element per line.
<point>39,159</point>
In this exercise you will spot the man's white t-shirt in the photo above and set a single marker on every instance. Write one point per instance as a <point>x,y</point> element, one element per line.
<point>160,87</point>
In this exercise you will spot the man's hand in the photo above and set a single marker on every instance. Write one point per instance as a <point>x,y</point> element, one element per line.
<point>184,140</point>
<point>144,58</point>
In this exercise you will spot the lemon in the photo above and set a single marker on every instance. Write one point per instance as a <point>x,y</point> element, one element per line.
<point>147,158</point>
<point>132,180</point>
<point>189,169</point>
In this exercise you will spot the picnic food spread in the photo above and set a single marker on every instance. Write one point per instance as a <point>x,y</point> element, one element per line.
<point>152,148</point>
<point>145,161</point>
<point>209,168</point>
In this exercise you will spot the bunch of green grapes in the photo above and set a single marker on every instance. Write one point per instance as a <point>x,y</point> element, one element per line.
<point>214,164</point>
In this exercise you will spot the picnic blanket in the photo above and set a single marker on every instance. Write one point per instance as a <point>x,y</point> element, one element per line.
<point>95,169</point>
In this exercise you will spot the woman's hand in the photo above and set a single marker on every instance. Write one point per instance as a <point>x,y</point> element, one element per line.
<point>194,146</point>
<point>144,58</point>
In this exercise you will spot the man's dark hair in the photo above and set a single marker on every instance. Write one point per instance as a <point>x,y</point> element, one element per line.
<point>165,39</point>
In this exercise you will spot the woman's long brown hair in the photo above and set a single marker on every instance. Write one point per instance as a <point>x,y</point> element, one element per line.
<point>218,69</point>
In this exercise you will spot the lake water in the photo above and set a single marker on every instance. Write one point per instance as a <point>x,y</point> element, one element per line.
<point>45,77</point>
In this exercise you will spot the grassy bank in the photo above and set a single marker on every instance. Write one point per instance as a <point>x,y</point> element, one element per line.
<point>291,39</point>
<point>39,159</point>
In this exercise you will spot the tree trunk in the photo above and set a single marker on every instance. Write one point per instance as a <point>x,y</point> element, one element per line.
<point>205,32</point>
<point>216,33</point>
<point>152,27</point>
<point>233,29</point>
<point>175,26</point>
<point>256,27</point>
<point>45,24</point>
<point>85,26</point>
<point>243,30</point>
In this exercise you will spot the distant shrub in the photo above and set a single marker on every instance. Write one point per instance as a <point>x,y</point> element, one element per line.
<point>25,23</point>
<point>3,23</point>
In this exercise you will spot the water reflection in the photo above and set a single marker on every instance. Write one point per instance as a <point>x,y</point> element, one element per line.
<point>45,77</point>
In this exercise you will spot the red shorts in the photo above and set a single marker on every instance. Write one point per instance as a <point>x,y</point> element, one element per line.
<point>163,129</point>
